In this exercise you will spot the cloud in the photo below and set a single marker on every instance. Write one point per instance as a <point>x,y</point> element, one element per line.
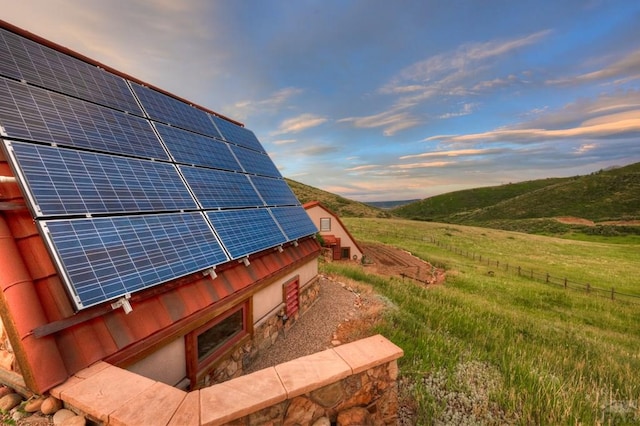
<point>584,148</point>
<point>451,67</point>
<point>421,165</point>
<point>606,126</point>
<point>283,141</point>
<point>391,121</point>
<point>627,69</point>
<point>466,110</point>
<point>299,123</point>
<point>451,153</point>
<point>273,103</point>
<point>442,75</point>
<point>363,168</point>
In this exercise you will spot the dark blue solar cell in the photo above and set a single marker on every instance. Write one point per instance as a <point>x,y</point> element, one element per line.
<point>274,192</point>
<point>39,115</point>
<point>244,232</point>
<point>39,65</point>
<point>220,189</point>
<point>166,109</point>
<point>192,148</point>
<point>238,135</point>
<point>106,258</point>
<point>65,181</point>
<point>255,162</point>
<point>294,221</point>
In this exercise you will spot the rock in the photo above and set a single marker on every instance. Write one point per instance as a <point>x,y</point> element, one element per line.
<point>5,390</point>
<point>50,405</point>
<point>336,342</point>
<point>301,411</point>
<point>322,421</point>
<point>328,396</point>
<point>62,415</point>
<point>74,421</point>
<point>33,405</point>
<point>356,416</point>
<point>9,401</point>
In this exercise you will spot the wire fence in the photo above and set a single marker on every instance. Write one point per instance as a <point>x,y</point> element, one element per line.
<point>544,277</point>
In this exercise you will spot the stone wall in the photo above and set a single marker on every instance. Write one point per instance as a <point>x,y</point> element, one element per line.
<point>367,398</point>
<point>264,336</point>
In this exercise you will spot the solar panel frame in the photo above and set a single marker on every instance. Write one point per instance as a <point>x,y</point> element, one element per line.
<point>164,108</point>
<point>238,135</point>
<point>220,189</point>
<point>69,182</point>
<point>255,162</point>
<point>43,66</point>
<point>247,231</point>
<point>294,221</point>
<point>36,114</point>
<point>103,259</point>
<point>194,149</point>
<point>274,192</point>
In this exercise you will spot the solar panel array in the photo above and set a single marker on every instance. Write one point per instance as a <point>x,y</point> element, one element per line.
<point>130,187</point>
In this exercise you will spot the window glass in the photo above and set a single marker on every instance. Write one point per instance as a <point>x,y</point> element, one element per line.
<point>215,337</point>
<point>325,224</point>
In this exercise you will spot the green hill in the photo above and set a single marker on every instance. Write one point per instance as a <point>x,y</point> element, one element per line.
<point>339,205</point>
<point>611,195</point>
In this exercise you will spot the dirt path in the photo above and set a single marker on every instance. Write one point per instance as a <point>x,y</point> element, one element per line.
<point>390,261</point>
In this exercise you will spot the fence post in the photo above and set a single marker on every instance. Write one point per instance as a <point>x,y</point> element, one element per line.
<point>612,293</point>
<point>480,258</point>
<point>518,271</point>
<point>565,282</point>
<point>547,277</point>
<point>497,264</point>
<point>588,288</point>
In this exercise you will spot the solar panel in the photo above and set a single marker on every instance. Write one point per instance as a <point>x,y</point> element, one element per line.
<point>248,231</point>
<point>220,189</point>
<point>255,162</point>
<point>106,258</point>
<point>236,134</point>
<point>169,110</point>
<point>274,192</point>
<point>39,65</point>
<point>67,181</point>
<point>130,187</point>
<point>39,115</point>
<point>192,148</point>
<point>294,221</point>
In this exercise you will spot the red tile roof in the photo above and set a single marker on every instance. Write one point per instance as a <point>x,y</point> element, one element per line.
<point>35,302</point>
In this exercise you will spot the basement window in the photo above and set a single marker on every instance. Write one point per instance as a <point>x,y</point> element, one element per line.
<point>211,341</point>
<point>325,224</point>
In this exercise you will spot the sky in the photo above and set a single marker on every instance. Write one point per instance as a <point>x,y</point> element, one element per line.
<point>385,100</point>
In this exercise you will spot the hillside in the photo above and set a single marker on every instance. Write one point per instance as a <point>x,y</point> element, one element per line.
<point>339,205</point>
<point>611,195</point>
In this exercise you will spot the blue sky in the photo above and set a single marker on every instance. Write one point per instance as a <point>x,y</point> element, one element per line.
<point>381,100</point>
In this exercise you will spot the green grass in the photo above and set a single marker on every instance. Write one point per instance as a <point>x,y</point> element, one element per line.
<point>563,357</point>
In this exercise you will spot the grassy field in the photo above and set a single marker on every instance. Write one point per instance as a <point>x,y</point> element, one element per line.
<point>504,349</point>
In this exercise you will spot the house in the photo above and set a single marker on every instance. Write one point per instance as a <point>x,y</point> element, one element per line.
<point>333,232</point>
<point>136,228</point>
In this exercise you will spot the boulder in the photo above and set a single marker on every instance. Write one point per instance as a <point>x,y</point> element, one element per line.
<point>33,405</point>
<point>356,416</point>
<point>9,401</point>
<point>50,405</point>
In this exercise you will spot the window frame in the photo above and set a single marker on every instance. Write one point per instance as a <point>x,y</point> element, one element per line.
<point>196,367</point>
<point>325,220</point>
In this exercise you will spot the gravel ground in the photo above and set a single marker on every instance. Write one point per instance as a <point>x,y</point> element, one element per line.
<point>314,330</point>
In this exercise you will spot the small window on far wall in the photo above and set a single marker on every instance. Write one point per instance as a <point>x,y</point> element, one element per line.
<point>325,224</point>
